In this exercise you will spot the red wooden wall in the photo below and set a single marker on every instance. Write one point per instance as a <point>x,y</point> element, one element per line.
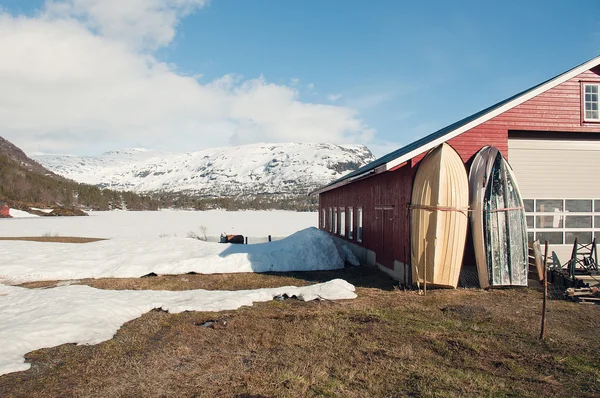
<point>558,109</point>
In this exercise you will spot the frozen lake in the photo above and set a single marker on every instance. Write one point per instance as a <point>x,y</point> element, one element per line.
<point>131,224</point>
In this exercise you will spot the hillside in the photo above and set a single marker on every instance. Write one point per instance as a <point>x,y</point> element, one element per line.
<point>25,183</point>
<point>275,171</point>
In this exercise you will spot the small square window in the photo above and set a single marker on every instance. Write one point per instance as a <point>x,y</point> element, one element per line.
<point>582,237</point>
<point>553,238</point>
<point>578,205</point>
<point>528,203</point>
<point>549,221</point>
<point>529,221</point>
<point>530,236</point>
<point>578,222</point>
<point>549,205</point>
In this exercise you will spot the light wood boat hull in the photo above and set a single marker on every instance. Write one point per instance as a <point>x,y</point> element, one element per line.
<point>498,221</point>
<point>439,219</point>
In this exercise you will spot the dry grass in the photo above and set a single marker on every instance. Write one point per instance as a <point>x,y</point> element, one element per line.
<point>52,239</point>
<point>387,342</point>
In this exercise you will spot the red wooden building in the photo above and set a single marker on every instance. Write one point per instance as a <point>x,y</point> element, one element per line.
<point>550,134</point>
<point>4,209</point>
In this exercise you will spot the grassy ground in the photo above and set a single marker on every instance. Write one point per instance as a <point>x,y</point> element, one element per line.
<point>387,342</point>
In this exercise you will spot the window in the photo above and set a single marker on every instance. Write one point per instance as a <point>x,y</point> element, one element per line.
<point>590,102</point>
<point>335,221</point>
<point>359,225</point>
<point>330,220</point>
<point>561,221</point>
<point>342,221</point>
<point>323,219</point>
<point>350,223</point>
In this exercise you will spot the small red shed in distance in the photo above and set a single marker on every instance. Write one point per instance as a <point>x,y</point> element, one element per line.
<point>381,191</point>
<point>4,209</point>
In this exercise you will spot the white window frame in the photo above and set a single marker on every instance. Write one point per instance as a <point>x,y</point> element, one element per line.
<point>359,224</point>
<point>335,220</point>
<point>350,223</point>
<point>330,220</point>
<point>342,231</point>
<point>585,102</point>
<point>323,219</point>
<point>560,217</point>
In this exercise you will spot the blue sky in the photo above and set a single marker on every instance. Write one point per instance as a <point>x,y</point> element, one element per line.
<point>402,69</point>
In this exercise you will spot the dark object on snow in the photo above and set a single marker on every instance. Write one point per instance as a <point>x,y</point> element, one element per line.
<point>232,239</point>
<point>284,296</point>
<point>150,275</point>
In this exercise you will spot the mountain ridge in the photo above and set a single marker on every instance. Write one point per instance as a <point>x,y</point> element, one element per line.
<point>25,183</point>
<point>276,170</point>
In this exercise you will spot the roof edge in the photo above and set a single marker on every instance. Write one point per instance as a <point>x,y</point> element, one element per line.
<point>488,113</point>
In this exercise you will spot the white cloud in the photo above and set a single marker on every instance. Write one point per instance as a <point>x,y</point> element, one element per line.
<point>80,79</point>
<point>142,23</point>
<point>334,97</point>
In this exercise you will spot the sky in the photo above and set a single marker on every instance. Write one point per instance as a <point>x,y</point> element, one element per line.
<point>88,76</point>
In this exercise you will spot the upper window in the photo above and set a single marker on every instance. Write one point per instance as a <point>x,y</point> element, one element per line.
<point>592,111</point>
<point>342,221</point>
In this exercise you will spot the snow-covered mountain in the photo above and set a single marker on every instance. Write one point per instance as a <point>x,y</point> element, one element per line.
<point>249,170</point>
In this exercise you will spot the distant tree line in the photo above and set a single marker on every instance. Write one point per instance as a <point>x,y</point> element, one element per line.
<point>20,184</point>
<point>257,202</point>
<point>34,188</point>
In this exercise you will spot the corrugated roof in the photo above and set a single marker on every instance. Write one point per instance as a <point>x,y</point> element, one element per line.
<point>446,131</point>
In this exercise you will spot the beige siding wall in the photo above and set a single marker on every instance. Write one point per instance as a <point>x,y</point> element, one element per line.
<point>548,169</point>
<point>556,169</point>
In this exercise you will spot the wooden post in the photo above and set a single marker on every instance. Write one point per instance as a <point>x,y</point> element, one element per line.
<point>405,268</point>
<point>246,240</point>
<point>424,267</point>
<point>269,238</point>
<point>543,331</point>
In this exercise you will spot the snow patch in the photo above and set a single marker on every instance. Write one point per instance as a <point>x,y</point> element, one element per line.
<point>39,318</point>
<point>21,214</point>
<point>42,210</point>
<point>307,250</point>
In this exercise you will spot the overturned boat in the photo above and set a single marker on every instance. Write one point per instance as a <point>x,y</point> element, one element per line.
<point>497,221</point>
<point>439,217</point>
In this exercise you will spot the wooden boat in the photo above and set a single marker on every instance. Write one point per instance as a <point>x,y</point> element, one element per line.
<point>497,221</point>
<point>439,219</point>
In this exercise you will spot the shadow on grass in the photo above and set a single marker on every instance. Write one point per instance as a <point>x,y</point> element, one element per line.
<point>368,277</point>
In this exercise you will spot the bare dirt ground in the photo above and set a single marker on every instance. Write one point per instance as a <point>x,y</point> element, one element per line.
<point>387,342</point>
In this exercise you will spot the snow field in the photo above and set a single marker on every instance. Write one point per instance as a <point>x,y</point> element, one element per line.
<point>39,318</point>
<point>167,223</point>
<point>306,250</point>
